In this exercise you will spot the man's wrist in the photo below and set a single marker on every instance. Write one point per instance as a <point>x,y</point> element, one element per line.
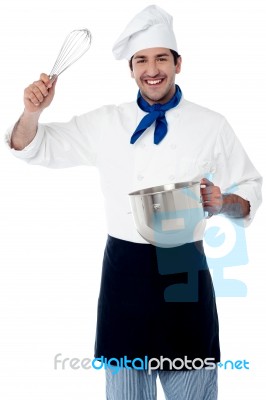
<point>234,206</point>
<point>24,130</point>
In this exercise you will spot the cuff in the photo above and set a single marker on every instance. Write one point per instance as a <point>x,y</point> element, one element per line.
<point>254,201</point>
<point>31,149</point>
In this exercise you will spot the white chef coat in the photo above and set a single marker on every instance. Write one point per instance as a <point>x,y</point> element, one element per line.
<point>199,142</point>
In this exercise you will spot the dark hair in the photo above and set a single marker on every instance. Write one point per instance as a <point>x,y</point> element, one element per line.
<point>175,55</point>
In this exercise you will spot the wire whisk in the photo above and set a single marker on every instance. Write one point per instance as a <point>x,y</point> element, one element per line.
<point>74,47</point>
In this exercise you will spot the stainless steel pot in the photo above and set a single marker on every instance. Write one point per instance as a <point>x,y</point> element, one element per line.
<point>168,215</point>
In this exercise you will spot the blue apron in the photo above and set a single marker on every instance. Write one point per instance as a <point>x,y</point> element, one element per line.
<point>156,302</point>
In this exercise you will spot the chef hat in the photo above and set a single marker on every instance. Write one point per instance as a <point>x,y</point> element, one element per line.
<point>152,27</point>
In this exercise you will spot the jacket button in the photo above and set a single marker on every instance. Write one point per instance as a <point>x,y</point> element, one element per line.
<point>173,146</point>
<point>140,177</point>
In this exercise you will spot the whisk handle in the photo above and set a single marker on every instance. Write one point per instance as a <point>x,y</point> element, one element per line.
<point>52,78</point>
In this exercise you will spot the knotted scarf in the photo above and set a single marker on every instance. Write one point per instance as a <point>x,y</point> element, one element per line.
<point>156,113</point>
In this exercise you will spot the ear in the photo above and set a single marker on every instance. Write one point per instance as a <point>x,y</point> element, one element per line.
<point>178,65</point>
<point>132,74</point>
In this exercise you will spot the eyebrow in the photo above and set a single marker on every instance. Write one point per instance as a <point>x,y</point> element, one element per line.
<point>156,56</point>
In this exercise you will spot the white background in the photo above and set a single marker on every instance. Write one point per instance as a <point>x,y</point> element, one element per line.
<point>52,227</point>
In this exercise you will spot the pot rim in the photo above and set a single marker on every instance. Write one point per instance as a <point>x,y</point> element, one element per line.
<point>162,188</point>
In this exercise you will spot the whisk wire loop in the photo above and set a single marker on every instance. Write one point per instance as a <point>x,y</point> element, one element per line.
<point>75,45</point>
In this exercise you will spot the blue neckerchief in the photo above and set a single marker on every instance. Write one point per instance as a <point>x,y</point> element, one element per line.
<point>156,112</point>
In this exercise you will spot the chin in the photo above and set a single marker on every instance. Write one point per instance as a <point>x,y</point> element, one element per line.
<point>158,99</point>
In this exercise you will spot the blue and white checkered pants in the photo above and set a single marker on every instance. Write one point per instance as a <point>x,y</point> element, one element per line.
<point>177,385</point>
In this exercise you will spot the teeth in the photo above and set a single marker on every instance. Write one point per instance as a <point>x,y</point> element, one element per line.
<point>154,82</point>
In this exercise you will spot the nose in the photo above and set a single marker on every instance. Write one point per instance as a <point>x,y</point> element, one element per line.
<point>152,68</point>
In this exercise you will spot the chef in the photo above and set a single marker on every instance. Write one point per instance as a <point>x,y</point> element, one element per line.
<point>159,138</point>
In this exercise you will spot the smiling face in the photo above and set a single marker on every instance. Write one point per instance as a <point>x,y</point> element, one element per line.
<point>154,71</point>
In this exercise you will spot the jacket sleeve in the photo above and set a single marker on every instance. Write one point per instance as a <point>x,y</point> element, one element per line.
<point>62,145</point>
<point>234,172</point>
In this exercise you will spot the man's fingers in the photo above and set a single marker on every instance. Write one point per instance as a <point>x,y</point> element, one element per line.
<point>211,197</point>
<point>36,91</point>
<point>207,197</point>
<point>206,182</point>
<point>215,197</point>
<point>31,96</point>
<point>46,80</point>
<point>39,90</point>
<point>39,94</point>
<point>212,204</point>
<point>41,87</point>
<point>209,190</point>
<point>210,210</point>
<point>33,99</point>
<point>34,94</point>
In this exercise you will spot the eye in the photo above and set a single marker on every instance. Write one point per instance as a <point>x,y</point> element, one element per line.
<point>141,61</point>
<point>161,59</point>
